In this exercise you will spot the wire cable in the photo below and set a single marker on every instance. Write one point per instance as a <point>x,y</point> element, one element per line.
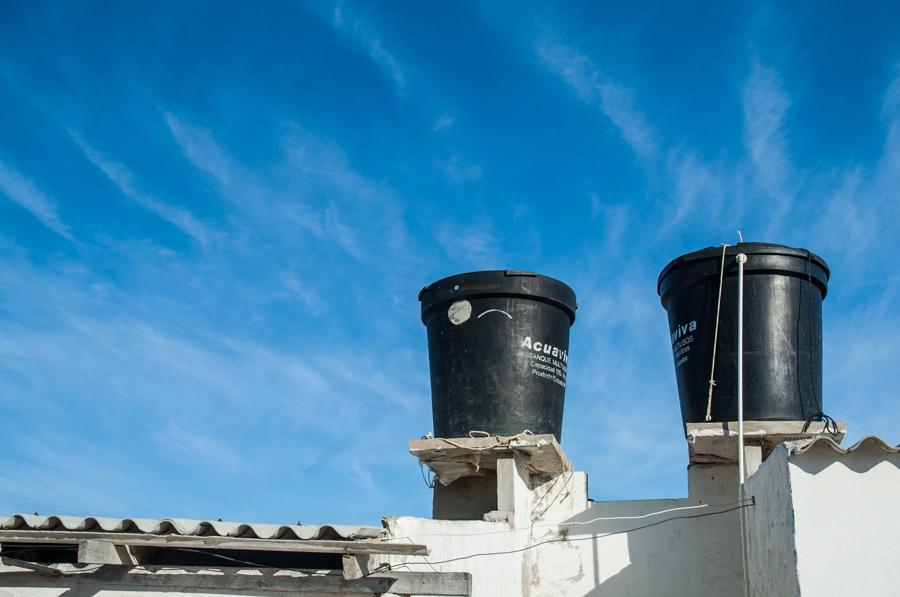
<point>831,426</point>
<point>574,523</point>
<point>555,497</point>
<point>572,540</point>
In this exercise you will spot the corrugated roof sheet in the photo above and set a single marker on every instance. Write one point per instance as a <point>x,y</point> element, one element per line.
<point>871,441</point>
<point>182,526</point>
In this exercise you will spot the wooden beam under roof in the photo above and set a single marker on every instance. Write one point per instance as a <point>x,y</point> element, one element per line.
<point>214,542</point>
<point>256,581</point>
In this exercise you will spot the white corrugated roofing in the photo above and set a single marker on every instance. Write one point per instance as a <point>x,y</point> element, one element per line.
<point>182,526</point>
<point>871,441</point>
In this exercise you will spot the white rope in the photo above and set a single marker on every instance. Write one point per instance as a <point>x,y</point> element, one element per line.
<point>500,443</point>
<point>533,526</point>
<point>712,368</point>
<point>642,516</point>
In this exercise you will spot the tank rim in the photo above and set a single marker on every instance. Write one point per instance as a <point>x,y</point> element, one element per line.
<point>749,248</point>
<point>501,283</point>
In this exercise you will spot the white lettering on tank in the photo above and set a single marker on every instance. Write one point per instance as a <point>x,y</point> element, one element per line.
<point>548,349</point>
<point>683,329</point>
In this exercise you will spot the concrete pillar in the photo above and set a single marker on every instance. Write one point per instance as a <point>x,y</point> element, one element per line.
<point>514,489</point>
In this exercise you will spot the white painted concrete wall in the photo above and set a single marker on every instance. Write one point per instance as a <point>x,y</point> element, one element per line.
<point>823,524</point>
<point>603,554</point>
<point>771,554</point>
<point>847,521</point>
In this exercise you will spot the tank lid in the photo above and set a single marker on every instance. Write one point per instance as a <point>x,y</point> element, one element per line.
<point>746,248</point>
<point>502,283</point>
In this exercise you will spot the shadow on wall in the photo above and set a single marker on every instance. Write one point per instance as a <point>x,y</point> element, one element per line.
<point>860,459</point>
<point>650,552</point>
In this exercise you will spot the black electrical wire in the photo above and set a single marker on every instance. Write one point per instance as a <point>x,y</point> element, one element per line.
<point>831,425</point>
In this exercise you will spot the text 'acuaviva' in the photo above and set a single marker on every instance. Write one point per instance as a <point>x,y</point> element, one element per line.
<point>545,348</point>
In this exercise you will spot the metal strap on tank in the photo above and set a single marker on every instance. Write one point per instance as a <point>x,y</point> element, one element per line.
<point>712,368</point>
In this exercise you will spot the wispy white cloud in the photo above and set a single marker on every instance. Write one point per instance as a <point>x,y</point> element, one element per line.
<point>200,148</point>
<point>192,440</point>
<point>354,202</point>
<point>311,188</point>
<point>618,348</point>
<point>698,187</point>
<point>165,357</point>
<point>615,101</point>
<point>616,220</point>
<point>363,35</point>
<point>381,56</point>
<point>443,122</point>
<point>123,178</point>
<point>24,193</point>
<point>456,171</point>
<point>618,104</point>
<point>54,472</point>
<point>856,207</point>
<point>362,476</point>
<point>765,105</point>
<point>890,109</point>
<point>200,393</point>
<point>693,187</point>
<point>474,245</point>
<point>304,292</point>
<point>573,67</point>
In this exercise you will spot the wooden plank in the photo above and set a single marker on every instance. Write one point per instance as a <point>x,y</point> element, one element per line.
<point>262,581</point>
<point>716,443</point>
<point>452,458</point>
<point>214,542</point>
<point>356,566</point>
<point>39,568</point>
<point>768,427</point>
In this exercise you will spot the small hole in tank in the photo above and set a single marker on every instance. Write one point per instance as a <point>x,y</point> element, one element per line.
<point>455,287</point>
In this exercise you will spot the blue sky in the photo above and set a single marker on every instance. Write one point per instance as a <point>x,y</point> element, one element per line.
<point>215,219</point>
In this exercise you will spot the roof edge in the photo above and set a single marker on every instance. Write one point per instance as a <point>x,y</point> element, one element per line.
<point>804,446</point>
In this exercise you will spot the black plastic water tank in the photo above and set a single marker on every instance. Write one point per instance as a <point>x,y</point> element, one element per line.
<point>498,347</point>
<point>783,292</point>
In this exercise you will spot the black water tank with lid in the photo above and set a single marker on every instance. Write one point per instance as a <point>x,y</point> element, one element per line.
<point>783,292</point>
<point>498,349</point>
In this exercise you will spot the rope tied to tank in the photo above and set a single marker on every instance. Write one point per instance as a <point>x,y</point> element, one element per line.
<point>712,368</point>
